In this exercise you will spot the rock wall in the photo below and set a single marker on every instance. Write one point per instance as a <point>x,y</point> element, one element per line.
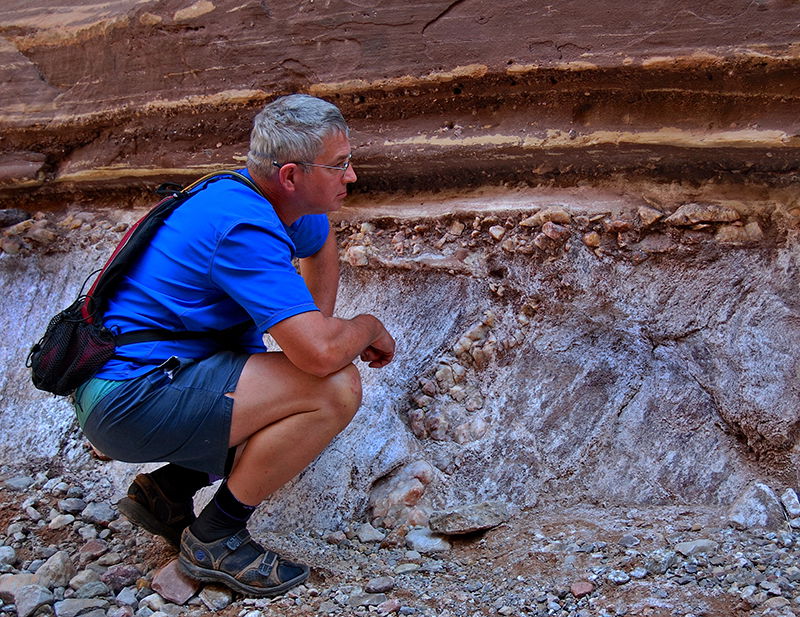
<point>581,224</point>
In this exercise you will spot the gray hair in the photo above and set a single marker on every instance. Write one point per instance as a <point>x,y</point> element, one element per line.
<point>290,129</point>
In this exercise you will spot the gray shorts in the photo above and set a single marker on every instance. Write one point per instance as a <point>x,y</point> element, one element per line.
<point>179,416</point>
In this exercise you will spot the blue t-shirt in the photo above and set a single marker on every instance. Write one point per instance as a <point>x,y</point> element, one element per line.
<point>221,259</point>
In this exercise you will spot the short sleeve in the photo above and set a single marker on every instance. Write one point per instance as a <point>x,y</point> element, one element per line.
<point>309,233</point>
<point>253,265</point>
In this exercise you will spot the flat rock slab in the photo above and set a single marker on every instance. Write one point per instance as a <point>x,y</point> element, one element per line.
<point>470,518</point>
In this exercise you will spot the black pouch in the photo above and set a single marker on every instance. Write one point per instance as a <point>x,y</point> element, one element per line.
<point>76,345</point>
<point>71,351</point>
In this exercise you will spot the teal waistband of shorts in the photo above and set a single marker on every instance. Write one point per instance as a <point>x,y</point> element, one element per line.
<point>89,394</point>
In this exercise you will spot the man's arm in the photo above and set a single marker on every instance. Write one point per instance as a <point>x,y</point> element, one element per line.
<point>322,345</point>
<point>321,274</point>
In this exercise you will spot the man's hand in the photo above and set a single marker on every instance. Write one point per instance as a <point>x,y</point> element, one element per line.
<point>380,352</point>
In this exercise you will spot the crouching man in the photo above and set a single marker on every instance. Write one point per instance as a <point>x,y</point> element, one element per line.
<point>221,405</point>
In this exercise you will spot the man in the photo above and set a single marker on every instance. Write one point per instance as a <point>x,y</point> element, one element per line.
<point>220,406</point>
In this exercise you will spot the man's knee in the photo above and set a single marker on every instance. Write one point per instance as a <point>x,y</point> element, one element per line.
<point>345,393</point>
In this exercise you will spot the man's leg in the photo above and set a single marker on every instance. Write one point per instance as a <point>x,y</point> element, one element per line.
<point>282,419</point>
<point>162,501</point>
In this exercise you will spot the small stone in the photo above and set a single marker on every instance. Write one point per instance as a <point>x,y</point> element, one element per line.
<point>693,213</point>
<point>367,533</point>
<point>83,577</point>
<point>406,568</point>
<point>12,216</point>
<point>456,228</point>
<point>556,232</point>
<point>649,215</point>
<point>360,598</point>
<point>388,607</point>
<point>336,537</point>
<point>639,572</point>
<point>121,575</point>
<point>10,584</point>
<point>660,560</point>
<point>470,518</point>
<point>92,550</point>
<point>127,596</point>
<point>8,555</point>
<point>629,540</point>
<point>99,513</point>
<point>380,584</point>
<point>62,520</point>
<point>543,243</point>
<point>31,598</point>
<point>110,559</point>
<point>72,607</point>
<point>591,239</point>
<point>618,577</point>
<point>19,483</point>
<point>791,503</point>
<point>497,232</point>
<point>56,571</point>
<point>696,547</point>
<point>776,602</point>
<point>173,584</point>
<point>581,588</point>
<point>153,601</point>
<point>216,597</point>
<point>423,540</point>
<point>194,11</point>
<point>71,505</point>
<point>357,256</point>
<point>553,214</point>
<point>445,377</point>
<point>95,589</point>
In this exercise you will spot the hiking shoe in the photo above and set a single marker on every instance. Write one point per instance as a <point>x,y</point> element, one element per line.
<point>147,506</point>
<point>240,563</point>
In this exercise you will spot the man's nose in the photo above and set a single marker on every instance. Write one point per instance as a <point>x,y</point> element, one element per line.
<point>349,175</point>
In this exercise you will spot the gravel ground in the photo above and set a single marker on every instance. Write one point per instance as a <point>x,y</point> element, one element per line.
<point>558,560</point>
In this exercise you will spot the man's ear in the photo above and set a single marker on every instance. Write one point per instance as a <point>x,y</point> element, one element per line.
<point>287,176</point>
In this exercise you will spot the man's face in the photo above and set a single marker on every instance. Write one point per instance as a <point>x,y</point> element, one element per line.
<point>321,189</point>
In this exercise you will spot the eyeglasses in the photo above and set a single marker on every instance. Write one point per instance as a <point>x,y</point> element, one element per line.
<point>342,168</point>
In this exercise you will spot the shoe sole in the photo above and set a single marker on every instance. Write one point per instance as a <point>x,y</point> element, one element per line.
<point>137,514</point>
<point>215,576</point>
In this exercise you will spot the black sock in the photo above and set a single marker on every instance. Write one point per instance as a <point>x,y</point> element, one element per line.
<point>222,517</point>
<point>179,483</point>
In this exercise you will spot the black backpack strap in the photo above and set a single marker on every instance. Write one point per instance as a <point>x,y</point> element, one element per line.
<point>139,235</point>
<point>159,334</point>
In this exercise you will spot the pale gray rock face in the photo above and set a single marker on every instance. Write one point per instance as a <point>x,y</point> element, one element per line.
<point>519,376</point>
